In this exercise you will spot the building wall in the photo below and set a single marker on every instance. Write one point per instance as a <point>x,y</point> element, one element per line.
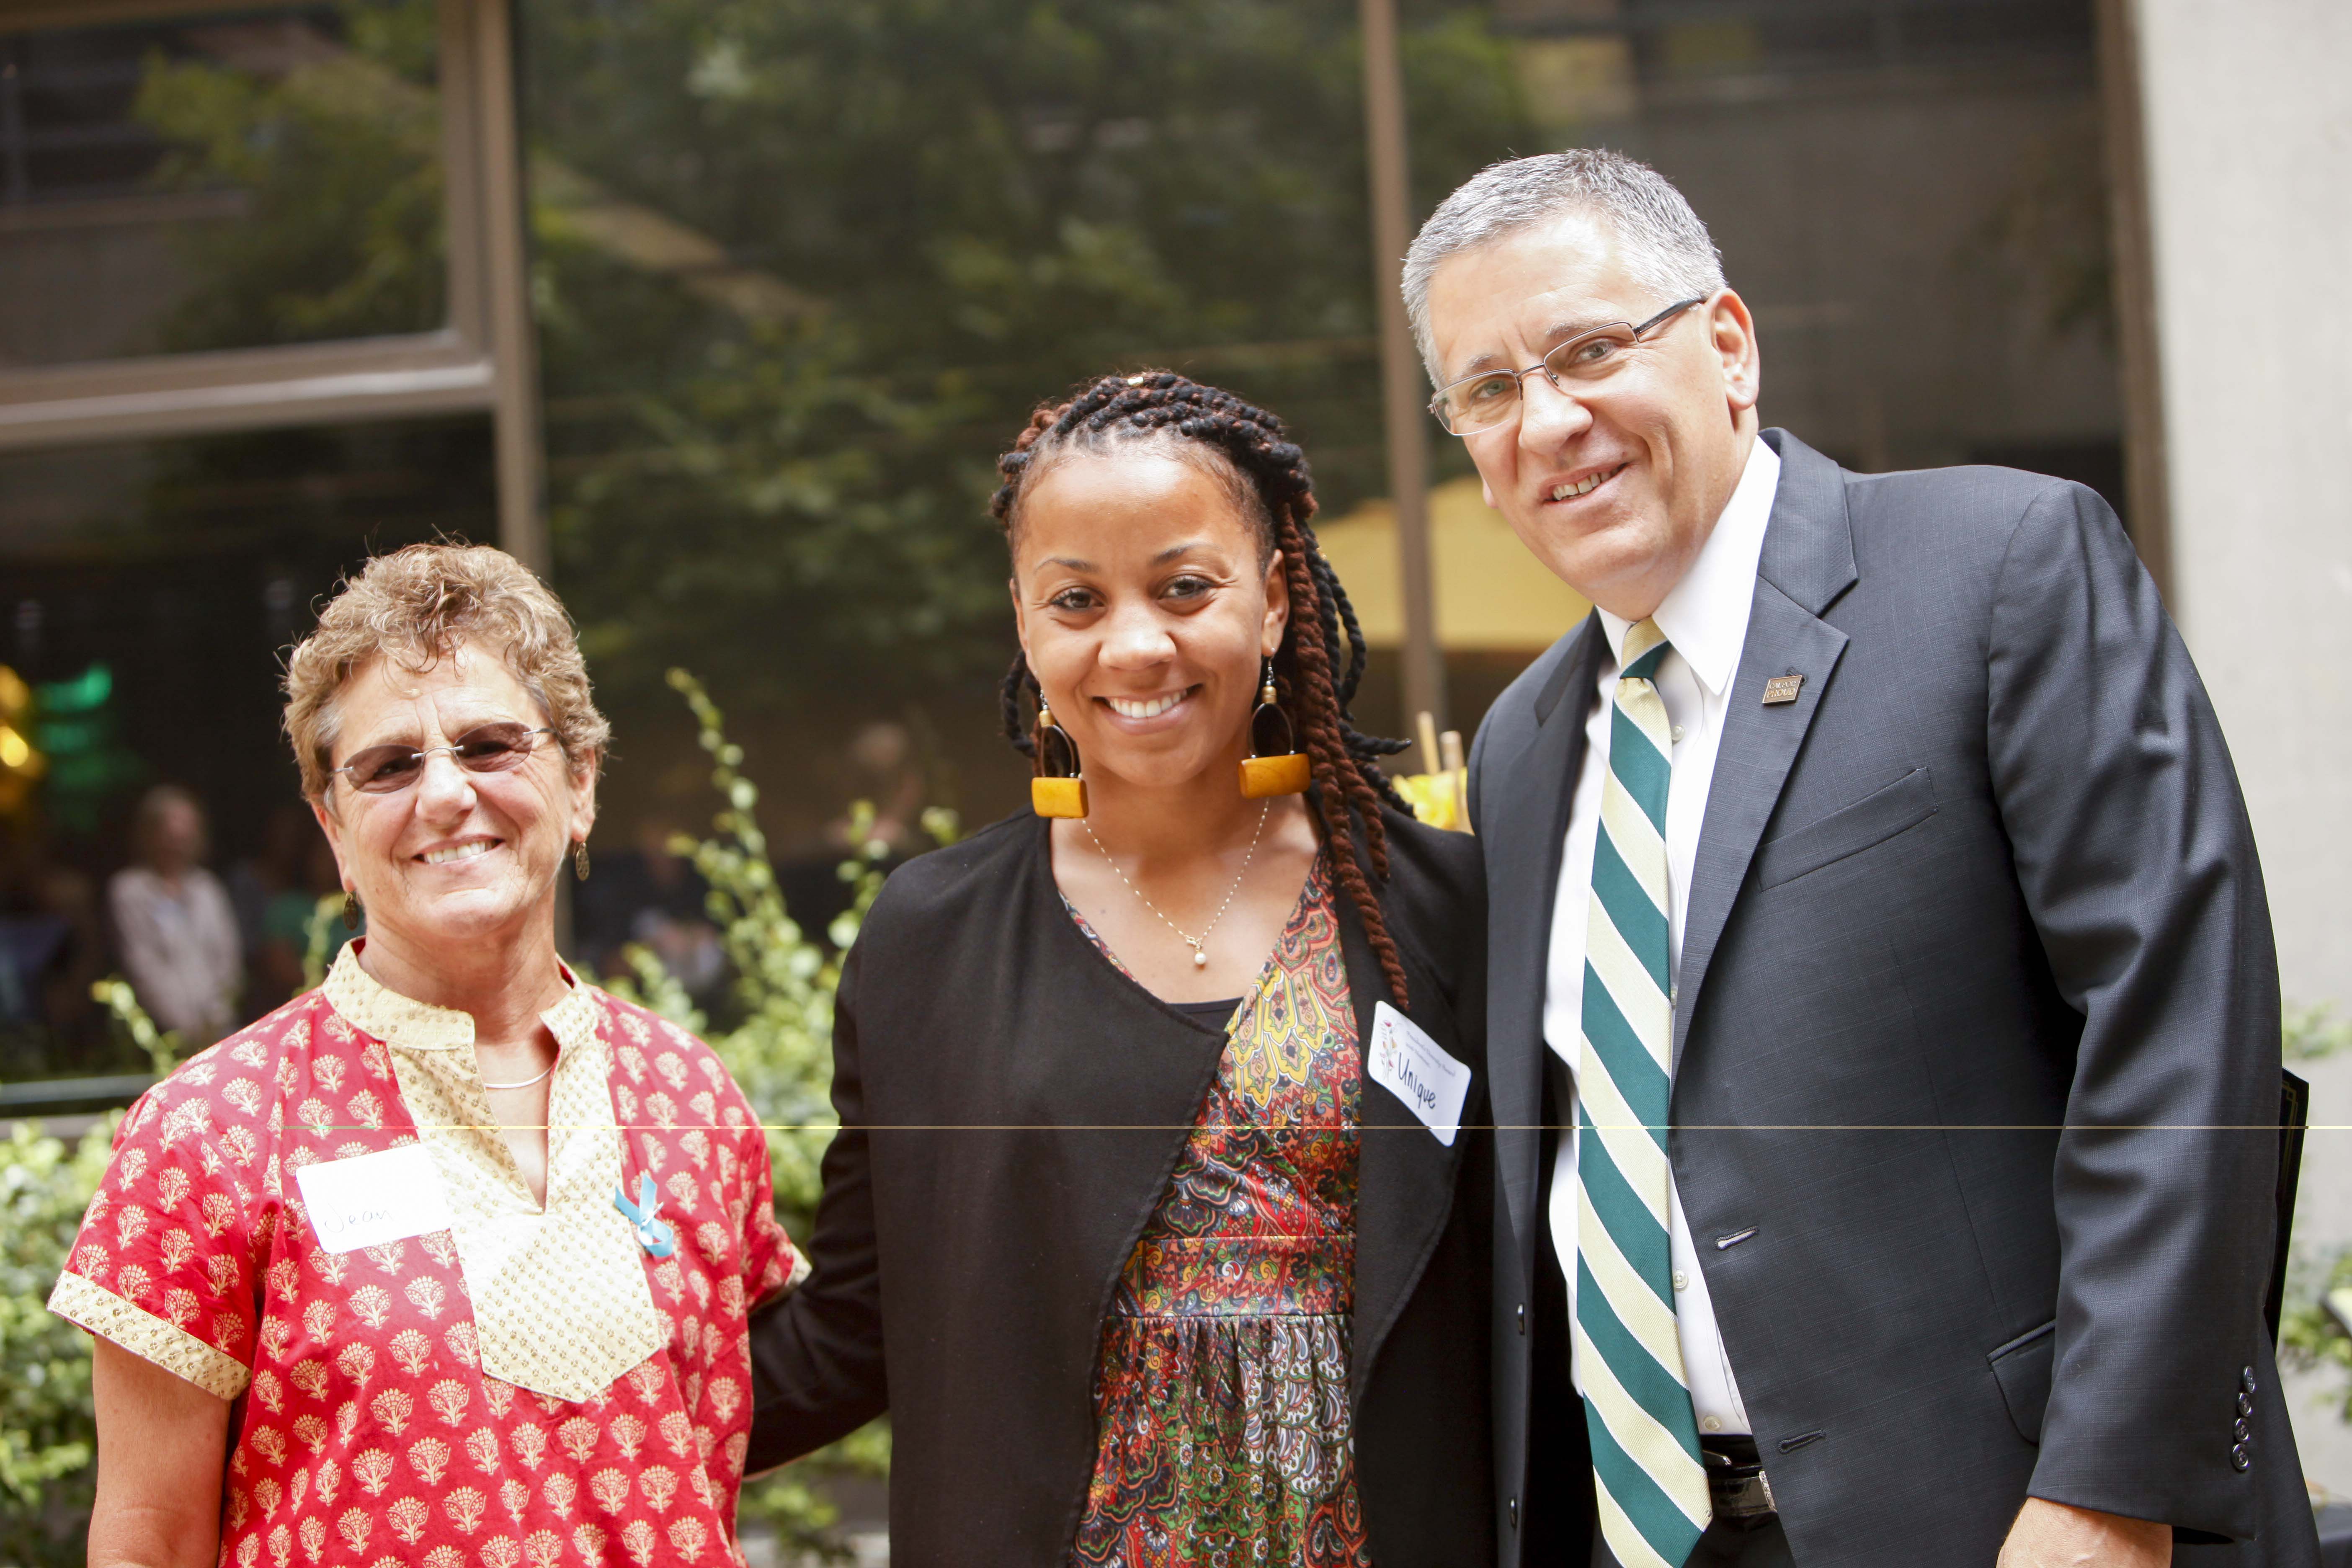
<point>2249,150</point>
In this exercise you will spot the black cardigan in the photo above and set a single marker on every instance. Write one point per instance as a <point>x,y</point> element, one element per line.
<point>1012,1107</point>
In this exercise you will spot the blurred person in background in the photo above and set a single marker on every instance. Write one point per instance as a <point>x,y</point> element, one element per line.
<point>1129,1224</point>
<point>173,925</point>
<point>281,949</point>
<point>273,868</point>
<point>1877,917</point>
<point>55,943</point>
<point>449,1258</point>
<point>652,896</point>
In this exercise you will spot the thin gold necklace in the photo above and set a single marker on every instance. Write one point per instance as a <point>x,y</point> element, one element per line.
<point>1200,958</point>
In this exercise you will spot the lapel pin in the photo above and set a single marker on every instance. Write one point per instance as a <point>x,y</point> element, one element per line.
<point>1782,688</point>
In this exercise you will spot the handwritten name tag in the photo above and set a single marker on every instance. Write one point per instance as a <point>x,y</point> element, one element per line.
<point>368,1199</point>
<point>1416,1069</point>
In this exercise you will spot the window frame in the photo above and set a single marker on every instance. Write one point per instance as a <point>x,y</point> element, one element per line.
<point>481,360</point>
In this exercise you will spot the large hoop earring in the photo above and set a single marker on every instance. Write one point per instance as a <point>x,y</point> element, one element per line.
<point>1284,772</point>
<point>1054,793</point>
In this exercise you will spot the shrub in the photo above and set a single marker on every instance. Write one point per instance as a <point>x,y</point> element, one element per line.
<point>2310,1334</point>
<point>48,1436</point>
<point>781,1050</point>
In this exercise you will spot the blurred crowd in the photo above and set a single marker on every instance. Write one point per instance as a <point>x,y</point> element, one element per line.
<point>204,952</point>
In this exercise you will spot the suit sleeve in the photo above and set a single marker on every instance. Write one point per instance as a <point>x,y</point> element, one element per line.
<point>1477,773</point>
<point>817,1370</point>
<point>2135,858</point>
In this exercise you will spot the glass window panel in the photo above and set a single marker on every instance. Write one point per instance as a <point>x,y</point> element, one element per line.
<point>804,272</point>
<point>1910,194</point>
<point>150,591</point>
<point>257,177</point>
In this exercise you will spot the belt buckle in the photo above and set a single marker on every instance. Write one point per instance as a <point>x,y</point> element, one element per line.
<point>1738,1491</point>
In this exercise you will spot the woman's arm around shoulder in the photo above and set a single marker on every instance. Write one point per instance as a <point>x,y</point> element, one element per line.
<point>817,1368</point>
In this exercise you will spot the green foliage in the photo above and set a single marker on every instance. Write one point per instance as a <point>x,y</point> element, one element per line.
<point>2313,1033</point>
<point>780,1048</point>
<point>2311,1334</point>
<point>48,1434</point>
<point>161,1047</point>
<point>338,164</point>
<point>984,202</point>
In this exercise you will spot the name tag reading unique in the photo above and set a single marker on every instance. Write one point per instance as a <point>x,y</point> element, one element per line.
<point>1416,1069</point>
<point>368,1199</point>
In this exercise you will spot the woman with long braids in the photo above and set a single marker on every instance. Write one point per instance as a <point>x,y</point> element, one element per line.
<point>1148,1221</point>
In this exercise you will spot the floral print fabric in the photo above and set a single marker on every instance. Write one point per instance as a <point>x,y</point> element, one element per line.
<point>1224,1434</point>
<point>366,1430</point>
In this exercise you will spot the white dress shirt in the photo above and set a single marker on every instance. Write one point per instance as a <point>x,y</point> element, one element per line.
<point>1706,620</point>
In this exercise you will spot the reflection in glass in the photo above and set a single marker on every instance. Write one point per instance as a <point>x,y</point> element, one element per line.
<point>255,177</point>
<point>150,590</point>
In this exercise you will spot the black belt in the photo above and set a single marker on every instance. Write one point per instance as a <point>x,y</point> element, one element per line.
<point>1736,1482</point>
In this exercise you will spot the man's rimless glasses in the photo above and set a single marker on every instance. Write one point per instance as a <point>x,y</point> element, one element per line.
<point>1492,397</point>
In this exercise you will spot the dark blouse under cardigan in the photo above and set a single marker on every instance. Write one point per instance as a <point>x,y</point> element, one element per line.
<point>1012,1107</point>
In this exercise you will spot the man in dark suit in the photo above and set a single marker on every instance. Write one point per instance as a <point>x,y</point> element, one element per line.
<point>1883,1017</point>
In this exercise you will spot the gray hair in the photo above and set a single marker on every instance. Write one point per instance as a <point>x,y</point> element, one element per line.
<point>1665,245</point>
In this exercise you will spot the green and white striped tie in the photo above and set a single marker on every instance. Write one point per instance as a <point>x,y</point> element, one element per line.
<point>1650,1483</point>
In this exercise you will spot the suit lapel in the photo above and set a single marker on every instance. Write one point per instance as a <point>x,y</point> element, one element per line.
<point>1807,562</point>
<point>1527,781</point>
<point>1404,1176</point>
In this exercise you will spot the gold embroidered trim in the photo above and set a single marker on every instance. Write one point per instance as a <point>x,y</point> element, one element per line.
<point>373,1008</point>
<point>100,1311</point>
<point>559,1295</point>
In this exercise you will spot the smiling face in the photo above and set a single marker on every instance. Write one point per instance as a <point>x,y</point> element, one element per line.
<point>1615,484</point>
<point>456,858</point>
<point>1146,607</point>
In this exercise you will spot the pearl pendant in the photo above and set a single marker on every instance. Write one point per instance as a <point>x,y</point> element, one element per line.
<point>1200,959</point>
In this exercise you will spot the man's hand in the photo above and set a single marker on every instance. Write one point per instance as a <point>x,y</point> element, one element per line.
<point>2056,1535</point>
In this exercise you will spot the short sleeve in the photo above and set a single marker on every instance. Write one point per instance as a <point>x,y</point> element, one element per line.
<point>163,1265</point>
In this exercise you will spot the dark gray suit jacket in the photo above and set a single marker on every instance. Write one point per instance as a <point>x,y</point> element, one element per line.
<point>1977,1047</point>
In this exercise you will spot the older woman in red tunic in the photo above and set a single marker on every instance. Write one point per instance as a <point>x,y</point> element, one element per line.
<point>448,1261</point>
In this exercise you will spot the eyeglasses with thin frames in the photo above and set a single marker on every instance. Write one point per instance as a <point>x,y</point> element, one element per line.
<point>1492,397</point>
<point>490,749</point>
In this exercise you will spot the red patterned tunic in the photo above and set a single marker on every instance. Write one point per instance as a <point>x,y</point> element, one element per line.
<point>372,1423</point>
<point>1224,1434</point>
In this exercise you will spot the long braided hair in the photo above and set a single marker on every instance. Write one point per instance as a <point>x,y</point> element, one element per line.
<point>1316,673</point>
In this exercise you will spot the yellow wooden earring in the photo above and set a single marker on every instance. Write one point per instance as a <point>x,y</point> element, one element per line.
<point>1286,772</point>
<point>1055,794</point>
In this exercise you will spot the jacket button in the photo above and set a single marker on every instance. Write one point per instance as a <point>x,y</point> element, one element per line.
<point>1523,1316</point>
<point>1514,1508</point>
<point>2245,1404</point>
<point>2246,1380</point>
<point>2239,1430</point>
<point>2240,1458</point>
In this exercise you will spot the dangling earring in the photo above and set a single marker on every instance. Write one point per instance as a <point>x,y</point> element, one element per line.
<point>579,859</point>
<point>351,910</point>
<point>1286,772</point>
<point>1055,794</point>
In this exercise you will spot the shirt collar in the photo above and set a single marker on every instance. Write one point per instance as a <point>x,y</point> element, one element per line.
<point>376,1009</point>
<point>1704,616</point>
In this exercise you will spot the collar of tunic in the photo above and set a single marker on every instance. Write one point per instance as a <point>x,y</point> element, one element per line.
<point>560,1294</point>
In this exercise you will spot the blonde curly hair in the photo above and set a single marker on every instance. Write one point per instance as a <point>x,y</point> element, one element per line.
<point>414,607</point>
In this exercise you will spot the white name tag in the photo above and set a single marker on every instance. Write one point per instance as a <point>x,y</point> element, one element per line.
<point>1416,1069</point>
<point>368,1199</point>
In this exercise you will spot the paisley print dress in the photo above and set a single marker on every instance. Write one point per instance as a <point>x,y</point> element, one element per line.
<point>1224,1433</point>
